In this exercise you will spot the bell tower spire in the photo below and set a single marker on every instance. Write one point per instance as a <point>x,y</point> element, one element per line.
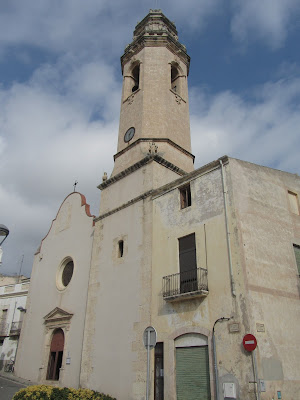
<point>154,104</point>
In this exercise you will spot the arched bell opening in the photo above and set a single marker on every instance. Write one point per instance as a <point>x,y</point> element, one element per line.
<point>132,81</point>
<point>136,78</point>
<point>56,355</point>
<point>177,78</point>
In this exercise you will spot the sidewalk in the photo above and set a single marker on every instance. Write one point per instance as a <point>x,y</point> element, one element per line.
<point>10,376</point>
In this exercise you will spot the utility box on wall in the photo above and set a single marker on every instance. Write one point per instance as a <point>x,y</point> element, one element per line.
<point>229,391</point>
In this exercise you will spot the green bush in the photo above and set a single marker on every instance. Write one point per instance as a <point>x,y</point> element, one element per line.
<point>45,392</point>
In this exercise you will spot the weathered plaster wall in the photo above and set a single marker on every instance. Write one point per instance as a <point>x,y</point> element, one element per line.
<point>117,303</point>
<point>133,285</point>
<point>205,218</point>
<point>268,229</point>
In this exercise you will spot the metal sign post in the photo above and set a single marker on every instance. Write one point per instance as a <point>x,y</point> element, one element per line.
<point>256,375</point>
<point>250,343</point>
<point>149,338</point>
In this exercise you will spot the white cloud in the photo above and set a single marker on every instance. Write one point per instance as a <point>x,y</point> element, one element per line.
<point>268,21</point>
<point>57,122</point>
<point>69,26</point>
<point>192,14</point>
<point>263,129</point>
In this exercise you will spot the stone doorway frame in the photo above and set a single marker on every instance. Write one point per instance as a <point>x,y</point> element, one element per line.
<point>55,319</point>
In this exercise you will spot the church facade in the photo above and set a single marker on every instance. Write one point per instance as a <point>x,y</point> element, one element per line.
<point>203,256</point>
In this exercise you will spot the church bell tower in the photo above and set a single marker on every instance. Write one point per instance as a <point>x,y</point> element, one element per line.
<point>154,116</point>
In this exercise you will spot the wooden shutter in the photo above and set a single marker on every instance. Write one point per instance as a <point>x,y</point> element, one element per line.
<point>188,263</point>
<point>187,253</point>
<point>192,373</point>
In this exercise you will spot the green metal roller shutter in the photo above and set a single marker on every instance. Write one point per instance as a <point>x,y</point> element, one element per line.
<point>192,373</point>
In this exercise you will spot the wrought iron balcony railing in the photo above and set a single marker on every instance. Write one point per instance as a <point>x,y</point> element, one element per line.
<point>15,328</point>
<point>185,284</point>
<point>3,329</point>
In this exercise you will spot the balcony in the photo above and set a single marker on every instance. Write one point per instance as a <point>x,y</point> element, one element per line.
<point>15,328</point>
<point>185,285</point>
<point>3,329</point>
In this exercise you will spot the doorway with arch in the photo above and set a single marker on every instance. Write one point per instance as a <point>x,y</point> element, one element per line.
<point>56,355</point>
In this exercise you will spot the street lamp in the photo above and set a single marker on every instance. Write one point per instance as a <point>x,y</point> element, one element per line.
<point>4,231</point>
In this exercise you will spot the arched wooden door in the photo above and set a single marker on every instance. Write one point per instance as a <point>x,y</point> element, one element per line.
<point>56,355</point>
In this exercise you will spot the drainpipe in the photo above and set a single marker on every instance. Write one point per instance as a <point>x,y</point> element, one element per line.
<point>227,228</point>
<point>215,355</point>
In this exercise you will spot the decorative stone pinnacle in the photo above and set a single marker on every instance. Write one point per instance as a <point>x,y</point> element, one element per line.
<point>155,23</point>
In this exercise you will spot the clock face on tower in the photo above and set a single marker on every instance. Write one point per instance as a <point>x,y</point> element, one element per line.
<point>129,134</point>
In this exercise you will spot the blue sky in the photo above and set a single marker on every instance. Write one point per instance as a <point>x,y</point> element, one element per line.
<point>60,86</point>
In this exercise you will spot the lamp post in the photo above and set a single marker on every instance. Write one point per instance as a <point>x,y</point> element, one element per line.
<point>4,232</point>
<point>215,355</point>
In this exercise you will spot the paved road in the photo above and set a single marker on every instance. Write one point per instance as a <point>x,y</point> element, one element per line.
<point>8,388</point>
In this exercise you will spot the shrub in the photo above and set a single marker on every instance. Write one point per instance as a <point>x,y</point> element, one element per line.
<point>45,392</point>
<point>42,392</point>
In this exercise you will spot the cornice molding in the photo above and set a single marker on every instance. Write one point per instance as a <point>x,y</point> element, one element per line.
<point>156,41</point>
<point>154,140</point>
<point>146,160</point>
<point>14,294</point>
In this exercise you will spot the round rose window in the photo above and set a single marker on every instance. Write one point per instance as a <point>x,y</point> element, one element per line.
<point>64,274</point>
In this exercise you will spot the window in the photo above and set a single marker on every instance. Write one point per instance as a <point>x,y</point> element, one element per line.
<point>3,323</point>
<point>175,79</point>
<point>120,248</point>
<point>185,196</point>
<point>297,256</point>
<point>132,81</point>
<point>4,316</point>
<point>187,263</point>
<point>64,273</point>
<point>136,78</point>
<point>159,371</point>
<point>293,198</point>
<point>67,273</point>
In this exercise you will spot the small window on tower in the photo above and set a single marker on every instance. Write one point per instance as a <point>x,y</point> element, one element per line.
<point>120,248</point>
<point>136,78</point>
<point>294,204</point>
<point>185,196</point>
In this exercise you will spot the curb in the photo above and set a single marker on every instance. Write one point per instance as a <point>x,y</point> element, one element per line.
<point>9,376</point>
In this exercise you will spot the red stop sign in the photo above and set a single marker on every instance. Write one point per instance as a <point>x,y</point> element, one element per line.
<point>249,342</point>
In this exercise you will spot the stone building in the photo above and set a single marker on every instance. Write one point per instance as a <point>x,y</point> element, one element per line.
<point>13,297</point>
<point>203,256</point>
